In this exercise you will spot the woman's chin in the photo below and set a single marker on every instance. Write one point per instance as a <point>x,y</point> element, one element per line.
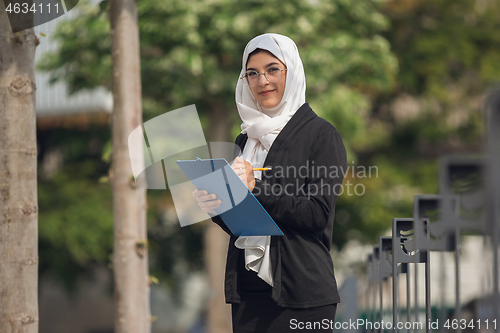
<point>268,104</point>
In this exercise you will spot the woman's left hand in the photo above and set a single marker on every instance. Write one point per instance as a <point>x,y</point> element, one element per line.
<point>245,171</point>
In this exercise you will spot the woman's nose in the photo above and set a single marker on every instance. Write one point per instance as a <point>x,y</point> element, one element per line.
<point>262,80</point>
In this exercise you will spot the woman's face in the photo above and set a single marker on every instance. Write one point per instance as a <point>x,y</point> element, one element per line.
<point>268,94</point>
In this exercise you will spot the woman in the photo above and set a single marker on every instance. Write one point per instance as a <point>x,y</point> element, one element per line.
<point>282,283</point>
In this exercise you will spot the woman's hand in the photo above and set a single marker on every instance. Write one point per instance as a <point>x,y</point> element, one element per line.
<point>207,202</point>
<point>245,171</point>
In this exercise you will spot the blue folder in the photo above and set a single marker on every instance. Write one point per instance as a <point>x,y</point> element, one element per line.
<point>240,210</point>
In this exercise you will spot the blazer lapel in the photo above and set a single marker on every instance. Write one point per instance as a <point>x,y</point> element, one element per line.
<point>303,115</point>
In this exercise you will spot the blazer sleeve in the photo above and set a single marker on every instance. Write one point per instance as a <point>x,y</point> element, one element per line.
<point>311,207</point>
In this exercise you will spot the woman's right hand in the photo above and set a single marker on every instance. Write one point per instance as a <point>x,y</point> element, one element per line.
<point>207,202</point>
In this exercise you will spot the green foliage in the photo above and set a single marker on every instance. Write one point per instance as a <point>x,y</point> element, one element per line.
<point>75,211</point>
<point>76,216</point>
<point>442,43</point>
<point>84,58</point>
<point>446,51</point>
<point>191,53</point>
<point>360,58</point>
<point>387,192</point>
<point>174,250</point>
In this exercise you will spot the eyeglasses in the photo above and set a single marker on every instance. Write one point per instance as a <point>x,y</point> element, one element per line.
<point>272,74</point>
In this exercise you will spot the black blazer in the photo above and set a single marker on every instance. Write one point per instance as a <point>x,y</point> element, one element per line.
<point>308,160</point>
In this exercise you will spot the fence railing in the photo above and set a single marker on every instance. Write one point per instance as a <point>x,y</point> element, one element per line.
<point>468,203</point>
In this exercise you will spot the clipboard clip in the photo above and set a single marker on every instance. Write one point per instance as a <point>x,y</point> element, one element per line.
<point>198,159</point>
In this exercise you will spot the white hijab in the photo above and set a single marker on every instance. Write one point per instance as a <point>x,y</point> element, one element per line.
<point>263,126</point>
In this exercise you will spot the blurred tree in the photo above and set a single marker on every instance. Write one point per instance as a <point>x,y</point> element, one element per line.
<point>130,244</point>
<point>191,53</point>
<point>445,44</point>
<point>18,187</point>
<point>76,220</point>
<point>448,53</point>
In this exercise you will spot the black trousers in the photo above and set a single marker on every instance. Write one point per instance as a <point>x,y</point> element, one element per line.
<point>259,313</point>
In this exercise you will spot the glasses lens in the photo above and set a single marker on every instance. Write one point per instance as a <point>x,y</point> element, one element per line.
<point>251,78</point>
<point>274,74</point>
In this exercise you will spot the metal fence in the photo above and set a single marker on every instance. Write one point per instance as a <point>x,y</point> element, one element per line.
<point>468,203</point>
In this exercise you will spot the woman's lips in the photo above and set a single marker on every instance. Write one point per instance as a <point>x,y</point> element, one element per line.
<point>265,93</point>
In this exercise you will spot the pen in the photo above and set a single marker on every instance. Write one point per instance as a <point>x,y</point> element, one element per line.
<point>262,169</point>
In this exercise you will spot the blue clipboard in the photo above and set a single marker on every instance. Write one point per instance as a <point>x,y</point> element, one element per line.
<point>240,210</point>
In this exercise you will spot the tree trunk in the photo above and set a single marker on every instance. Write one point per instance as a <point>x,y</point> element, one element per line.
<point>130,258</point>
<point>18,181</point>
<point>216,242</point>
